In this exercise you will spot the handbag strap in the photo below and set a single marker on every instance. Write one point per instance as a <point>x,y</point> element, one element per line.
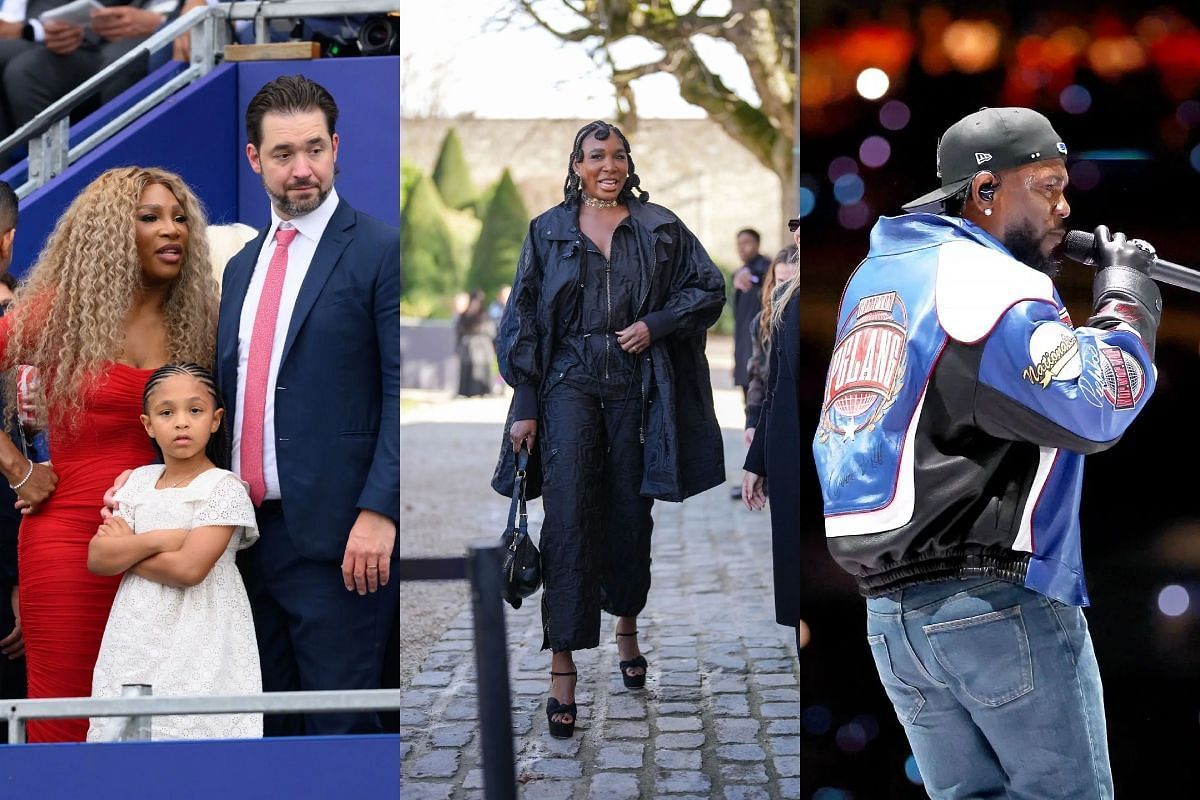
<point>518,498</point>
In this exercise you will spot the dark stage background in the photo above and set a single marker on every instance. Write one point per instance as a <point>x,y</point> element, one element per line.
<point>1119,81</point>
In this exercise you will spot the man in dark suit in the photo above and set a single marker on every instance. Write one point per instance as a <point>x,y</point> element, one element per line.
<point>308,361</point>
<point>747,301</point>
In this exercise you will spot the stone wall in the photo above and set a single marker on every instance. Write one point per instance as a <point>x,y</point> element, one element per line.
<point>690,166</point>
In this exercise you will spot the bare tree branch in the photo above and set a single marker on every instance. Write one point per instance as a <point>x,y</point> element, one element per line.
<point>762,31</point>
<point>628,74</point>
<point>577,35</point>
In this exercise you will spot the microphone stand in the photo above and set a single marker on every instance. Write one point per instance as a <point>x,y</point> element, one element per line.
<point>1176,275</point>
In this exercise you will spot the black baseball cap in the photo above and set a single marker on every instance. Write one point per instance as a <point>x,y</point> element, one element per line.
<point>991,139</point>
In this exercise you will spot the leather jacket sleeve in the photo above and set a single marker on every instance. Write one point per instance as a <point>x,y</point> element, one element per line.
<point>519,343</point>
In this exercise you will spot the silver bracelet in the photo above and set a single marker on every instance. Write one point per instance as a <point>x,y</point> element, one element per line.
<point>28,475</point>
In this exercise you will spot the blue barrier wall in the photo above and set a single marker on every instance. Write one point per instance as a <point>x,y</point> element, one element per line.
<point>316,767</point>
<point>18,174</point>
<point>172,136</point>
<point>367,91</point>
<point>200,134</point>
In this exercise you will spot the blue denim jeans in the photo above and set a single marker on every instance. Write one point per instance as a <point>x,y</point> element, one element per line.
<point>997,688</point>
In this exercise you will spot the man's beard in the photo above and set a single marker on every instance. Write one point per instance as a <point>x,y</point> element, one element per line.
<point>1025,247</point>
<point>295,208</point>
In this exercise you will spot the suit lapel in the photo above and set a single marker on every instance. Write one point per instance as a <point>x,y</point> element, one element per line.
<point>233,297</point>
<point>338,234</point>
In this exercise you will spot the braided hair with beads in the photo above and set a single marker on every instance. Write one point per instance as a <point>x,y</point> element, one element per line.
<point>219,448</point>
<point>572,187</point>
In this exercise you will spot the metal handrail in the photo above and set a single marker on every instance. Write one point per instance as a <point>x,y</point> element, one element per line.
<point>49,151</point>
<point>18,712</point>
<point>482,568</point>
<point>71,100</point>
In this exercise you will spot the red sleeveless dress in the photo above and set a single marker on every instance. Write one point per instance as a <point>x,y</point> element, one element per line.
<point>64,608</point>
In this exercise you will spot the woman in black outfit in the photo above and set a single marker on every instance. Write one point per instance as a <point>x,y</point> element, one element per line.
<point>777,448</point>
<point>603,342</point>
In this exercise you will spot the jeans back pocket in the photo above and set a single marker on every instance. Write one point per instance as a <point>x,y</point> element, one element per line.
<point>986,655</point>
<point>907,699</point>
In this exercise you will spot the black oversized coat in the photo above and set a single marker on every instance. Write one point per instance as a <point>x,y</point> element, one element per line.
<point>777,452</point>
<point>682,291</point>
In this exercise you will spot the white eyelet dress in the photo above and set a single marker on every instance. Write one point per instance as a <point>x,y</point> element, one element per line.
<point>190,641</point>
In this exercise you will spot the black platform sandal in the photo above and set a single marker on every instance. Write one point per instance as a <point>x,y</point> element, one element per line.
<point>554,708</point>
<point>633,681</point>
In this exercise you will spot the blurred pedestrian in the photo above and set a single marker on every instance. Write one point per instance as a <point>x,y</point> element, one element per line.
<point>773,464</point>
<point>783,268</point>
<point>747,300</point>
<point>475,331</point>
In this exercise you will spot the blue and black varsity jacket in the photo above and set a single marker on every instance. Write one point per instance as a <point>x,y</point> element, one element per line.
<point>958,406</point>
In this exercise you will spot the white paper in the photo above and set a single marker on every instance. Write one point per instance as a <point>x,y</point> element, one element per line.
<point>78,13</point>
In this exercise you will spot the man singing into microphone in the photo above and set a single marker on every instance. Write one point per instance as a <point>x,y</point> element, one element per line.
<point>959,403</point>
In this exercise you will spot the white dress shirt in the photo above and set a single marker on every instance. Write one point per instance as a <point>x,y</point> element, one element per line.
<point>300,253</point>
<point>14,11</point>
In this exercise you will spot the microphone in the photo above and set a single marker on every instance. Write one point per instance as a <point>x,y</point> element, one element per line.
<point>1081,246</point>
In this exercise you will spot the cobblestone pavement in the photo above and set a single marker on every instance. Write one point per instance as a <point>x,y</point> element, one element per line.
<point>719,717</point>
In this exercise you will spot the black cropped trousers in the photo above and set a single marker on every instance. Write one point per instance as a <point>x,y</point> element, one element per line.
<point>595,539</point>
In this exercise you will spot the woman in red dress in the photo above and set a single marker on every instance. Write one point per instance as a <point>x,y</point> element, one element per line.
<point>122,287</point>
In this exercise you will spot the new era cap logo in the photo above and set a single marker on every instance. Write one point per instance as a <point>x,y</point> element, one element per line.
<point>1062,148</point>
<point>982,157</point>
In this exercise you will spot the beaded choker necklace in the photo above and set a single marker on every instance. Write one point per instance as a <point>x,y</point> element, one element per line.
<point>594,203</point>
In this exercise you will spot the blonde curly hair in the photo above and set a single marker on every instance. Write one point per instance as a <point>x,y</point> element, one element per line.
<point>70,314</point>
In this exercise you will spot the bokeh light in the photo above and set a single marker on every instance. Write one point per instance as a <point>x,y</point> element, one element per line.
<point>872,83</point>
<point>851,738</point>
<point>842,165</point>
<point>817,720</point>
<point>972,45</point>
<point>869,725</point>
<point>1085,176</point>
<point>874,151</point>
<point>808,201</point>
<point>854,216</point>
<point>1194,157</point>
<point>911,772</point>
<point>894,115</point>
<point>1173,600</point>
<point>1188,113</point>
<point>848,189</point>
<point>831,793</point>
<point>1075,99</point>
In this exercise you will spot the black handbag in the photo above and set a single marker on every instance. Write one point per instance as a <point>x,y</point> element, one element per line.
<point>521,562</point>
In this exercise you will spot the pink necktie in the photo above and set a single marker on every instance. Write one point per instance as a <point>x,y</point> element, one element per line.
<point>258,367</point>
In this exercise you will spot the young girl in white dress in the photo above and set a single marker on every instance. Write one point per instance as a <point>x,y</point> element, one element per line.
<point>181,618</point>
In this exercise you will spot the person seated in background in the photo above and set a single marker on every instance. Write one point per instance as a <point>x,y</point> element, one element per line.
<point>42,61</point>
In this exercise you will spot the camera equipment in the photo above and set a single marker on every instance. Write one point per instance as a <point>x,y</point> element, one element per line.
<point>380,35</point>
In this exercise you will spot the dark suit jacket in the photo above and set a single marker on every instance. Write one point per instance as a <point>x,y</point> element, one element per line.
<point>745,305</point>
<point>337,397</point>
